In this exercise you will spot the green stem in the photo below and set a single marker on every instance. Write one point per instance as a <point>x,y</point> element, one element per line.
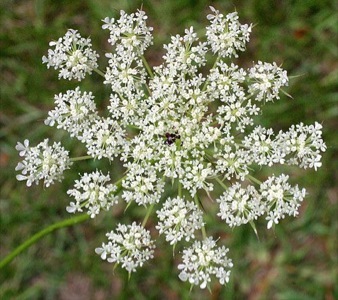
<point>204,234</point>
<point>221,183</point>
<point>199,204</point>
<point>179,188</point>
<point>131,126</point>
<point>99,72</point>
<point>147,215</point>
<point>150,72</point>
<point>118,183</point>
<point>254,179</point>
<point>32,240</point>
<point>81,158</point>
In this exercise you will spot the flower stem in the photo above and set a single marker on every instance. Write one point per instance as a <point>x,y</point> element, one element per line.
<point>118,183</point>
<point>221,183</point>
<point>147,215</point>
<point>81,158</point>
<point>199,204</point>
<point>150,72</point>
<point>254,179</point>
<point>32,240</point>
<point>179,188</point>
<point>204,233</point>
<point>99,72</point>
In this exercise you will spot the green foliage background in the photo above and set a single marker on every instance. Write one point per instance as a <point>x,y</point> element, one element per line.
<point>299,260</point>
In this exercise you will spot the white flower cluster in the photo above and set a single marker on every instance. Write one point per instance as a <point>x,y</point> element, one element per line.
<point>130,246</point>
<point>267,81</point>
<point>73,55</point>
<point>93,193</point>
<point>179,219</point>
<point>202,260</point>
<point>172,125</point>
<point>75,112</point>
<point>240,205</point>
<point>276,197</point>
<point>43,162</point>
<point>301,145</point>
<point>130,31</point>
<point>226,35</point>
<point>280,198</point>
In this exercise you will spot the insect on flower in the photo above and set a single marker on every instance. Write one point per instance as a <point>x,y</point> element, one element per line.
<point>171,138</point>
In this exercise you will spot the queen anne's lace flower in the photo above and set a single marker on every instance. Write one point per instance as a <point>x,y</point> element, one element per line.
<point>203,260</point>
<point>232,162</point>
<point>239,206</point>
<point>130,30</point>
<point>280,198</point>
<point>182,55</point>
<point>226,80</point>
<point>105,138</point>
<point>129,245</point>
<point>225,34</point>
<point>174,125</point>
<point>179,219</point>
<point>142,185</point>
<point>124,72</point>
<point>267,80</point>
<point>42,162</point>
<point>263,148</point>
<point>303,145</point>
<point>92,192</point>
<point>73,55</point>
<point>75,112</point>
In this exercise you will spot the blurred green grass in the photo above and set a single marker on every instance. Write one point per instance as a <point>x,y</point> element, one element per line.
<point>297,261</point>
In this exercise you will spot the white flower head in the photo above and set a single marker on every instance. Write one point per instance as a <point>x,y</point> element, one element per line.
<point>225,34</point>
<point>267,80</point>
<point>142,185</point>
<point>104,138</point>
<point>225,80</point>
<point>202,261</point>
<point>174,123</point>
<point>92,192</point>
<point>129,245</point>
<point>125,72</point>
<point>303,145</point>
<point>184,54</point>
<point>73,55</point>
<point>75,112</point>
<point>130,31</point>
<point>232,161</point>
<point>263,148</point>
<point>42,162</point>
<point>240,205</point>
<point>280,198</point>
<point>179,219</point>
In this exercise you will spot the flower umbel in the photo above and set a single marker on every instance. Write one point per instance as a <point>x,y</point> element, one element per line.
<point>239,206</point>
<point>179,219</point>
<point>42,162</point>
<point>267,81</point>
<point>130,245</point>
<point>202,261</point>
<point>75,112</point>
<point>280,198</point>
<point>93,193</point>
<point>181,134</point>
<point>72,55</point>
<point>225,34</point>
<point>131,31</point>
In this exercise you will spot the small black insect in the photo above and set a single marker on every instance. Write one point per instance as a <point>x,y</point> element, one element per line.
<point>171,138</point>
